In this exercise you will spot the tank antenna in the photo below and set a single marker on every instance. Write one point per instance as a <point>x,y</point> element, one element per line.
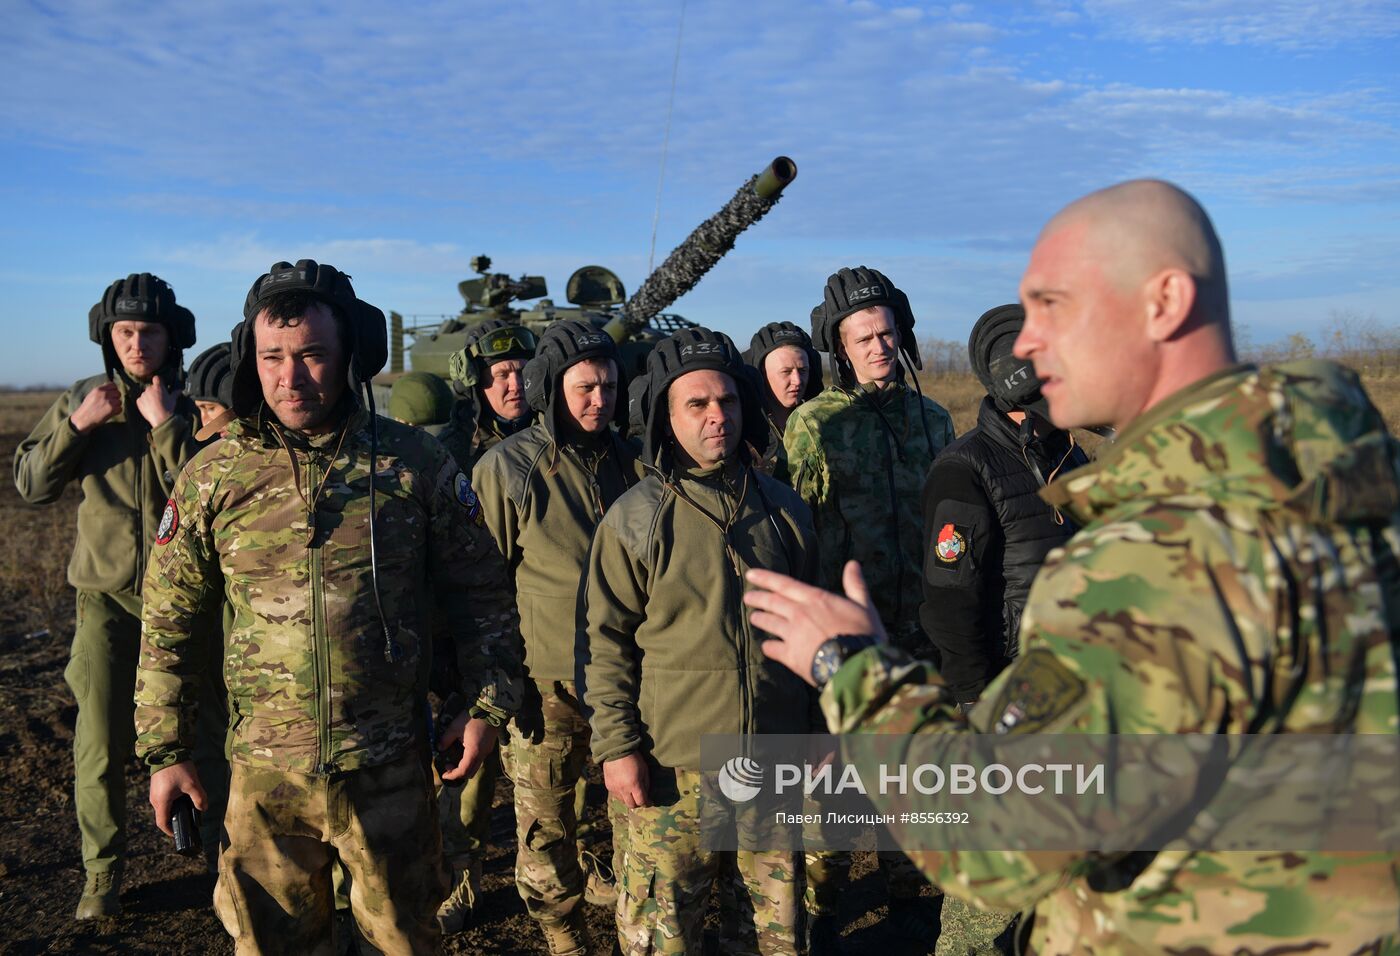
<point>666,141</point>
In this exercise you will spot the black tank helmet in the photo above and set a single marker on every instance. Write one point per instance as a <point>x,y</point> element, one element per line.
<point>210,379</point>
<point>211,376</point>
<point>363,325</point>
<point>691,350</point>
<point>562,346</point>
<point>1011,382</point>
<point>775,335</point>
<point>849,291</point>
<point>141,297</point>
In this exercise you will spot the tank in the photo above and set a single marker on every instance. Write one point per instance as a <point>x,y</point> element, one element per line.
<point>595,294</point>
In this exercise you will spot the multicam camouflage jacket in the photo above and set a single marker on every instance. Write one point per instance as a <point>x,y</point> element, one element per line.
<point>858,457</point>
<point>281,522</point>
<point>1236,573</point>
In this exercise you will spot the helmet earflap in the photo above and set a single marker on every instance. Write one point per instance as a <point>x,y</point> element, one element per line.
<point>365,326</point>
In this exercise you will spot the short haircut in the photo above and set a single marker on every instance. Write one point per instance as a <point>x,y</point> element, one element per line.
<point>287,309</point>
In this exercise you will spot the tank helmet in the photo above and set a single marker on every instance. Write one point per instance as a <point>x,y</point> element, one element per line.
<point>776,335</point>
<point>562,346</point>
<point>1011,382</point>
<point>691,350</point>
<point>363,326</point>
<point>488,342</point>
<point>849,291</point>
<point>140,297</point>
<point>210,377</point>
<point>420,398</point>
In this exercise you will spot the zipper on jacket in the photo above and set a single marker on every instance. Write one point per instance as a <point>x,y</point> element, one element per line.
<point>142,541</point>
<point>320,650</point>
<point>894,523</point>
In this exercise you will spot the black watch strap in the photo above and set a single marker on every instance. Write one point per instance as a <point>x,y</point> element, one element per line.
<point>835,652</point>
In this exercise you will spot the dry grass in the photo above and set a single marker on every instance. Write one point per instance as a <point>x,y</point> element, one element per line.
<point>35,540</point>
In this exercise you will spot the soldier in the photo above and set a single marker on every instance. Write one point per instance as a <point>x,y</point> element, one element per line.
<point>210,386</point>
<point>858,453</point>
<point>987,531</point>
<point>788,373</point>
<point>543,492</point>
<point>123,436</point>
<point>1235,573</point>
<point>423,400</point>
<point>490,368</point>
<point>328,525</point>
<point>669,656</point>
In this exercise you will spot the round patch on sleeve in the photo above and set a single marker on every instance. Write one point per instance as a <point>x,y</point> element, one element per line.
<point>466,497</point>
<point>169,523</point>
<point>951,545</point>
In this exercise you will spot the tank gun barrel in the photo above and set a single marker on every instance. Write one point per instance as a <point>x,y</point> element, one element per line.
<point>694,257</point>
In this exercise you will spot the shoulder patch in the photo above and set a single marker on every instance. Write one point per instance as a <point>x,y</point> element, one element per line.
<point>169,523</point>
<point>466,496</point>
<point>950,545</point>
<point>1038,689</point>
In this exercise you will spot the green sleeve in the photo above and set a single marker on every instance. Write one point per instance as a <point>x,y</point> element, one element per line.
<point>173,441</point>
<point>180,579</point>
<point>44,462</point>
<point>614,605</point>
<point>475,594</point>
<point>1103,644</point>
<point>497,509</point>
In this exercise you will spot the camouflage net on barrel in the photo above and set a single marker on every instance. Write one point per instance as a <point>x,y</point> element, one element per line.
<point>689,261</point>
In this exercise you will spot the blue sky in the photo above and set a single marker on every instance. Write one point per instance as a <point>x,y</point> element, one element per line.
<point>203,141</point>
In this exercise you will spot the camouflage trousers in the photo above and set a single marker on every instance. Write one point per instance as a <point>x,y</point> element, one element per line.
<point>545,752</point>
<point>285,831</point>
<point>464,813</point>
<point>101,672</point>
<point>666,878</point>
<point>968,931</point>
<point>828,872</point>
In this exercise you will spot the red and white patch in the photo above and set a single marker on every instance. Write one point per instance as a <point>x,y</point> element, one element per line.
<point>169,523</point>
<point>951,545</point>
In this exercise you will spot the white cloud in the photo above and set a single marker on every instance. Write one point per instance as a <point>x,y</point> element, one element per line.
<point>1289,24</point>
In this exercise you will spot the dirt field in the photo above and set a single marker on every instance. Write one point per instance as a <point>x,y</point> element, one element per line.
<point>166,896</point>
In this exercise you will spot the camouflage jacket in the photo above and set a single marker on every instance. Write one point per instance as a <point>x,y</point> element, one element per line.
<point>541,502</point>
<point>309,679</point>
<point>858,458</point>
<point>1235,574</point>
<point>125,470</point>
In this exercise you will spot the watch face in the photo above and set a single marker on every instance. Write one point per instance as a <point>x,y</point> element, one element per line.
<point>827,662</point>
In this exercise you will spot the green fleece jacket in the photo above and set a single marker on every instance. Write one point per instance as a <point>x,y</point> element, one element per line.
<point>126,471</point>
<point>670,653</point>
<point>542,502</point>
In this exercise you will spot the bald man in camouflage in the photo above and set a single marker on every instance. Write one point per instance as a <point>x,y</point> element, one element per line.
<point>1239,539</point>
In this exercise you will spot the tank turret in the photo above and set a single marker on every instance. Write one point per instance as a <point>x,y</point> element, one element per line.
<point>595,294</point>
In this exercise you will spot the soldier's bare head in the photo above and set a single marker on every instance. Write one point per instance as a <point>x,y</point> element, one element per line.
<point>1126,303</point>
<point>589,388</point>
<point>705,417</point>
<point>300,353</point>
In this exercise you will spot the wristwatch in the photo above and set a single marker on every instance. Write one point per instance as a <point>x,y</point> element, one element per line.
<point>832,654</point>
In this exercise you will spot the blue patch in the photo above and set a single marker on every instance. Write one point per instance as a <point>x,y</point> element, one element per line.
<point>466,497</point>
